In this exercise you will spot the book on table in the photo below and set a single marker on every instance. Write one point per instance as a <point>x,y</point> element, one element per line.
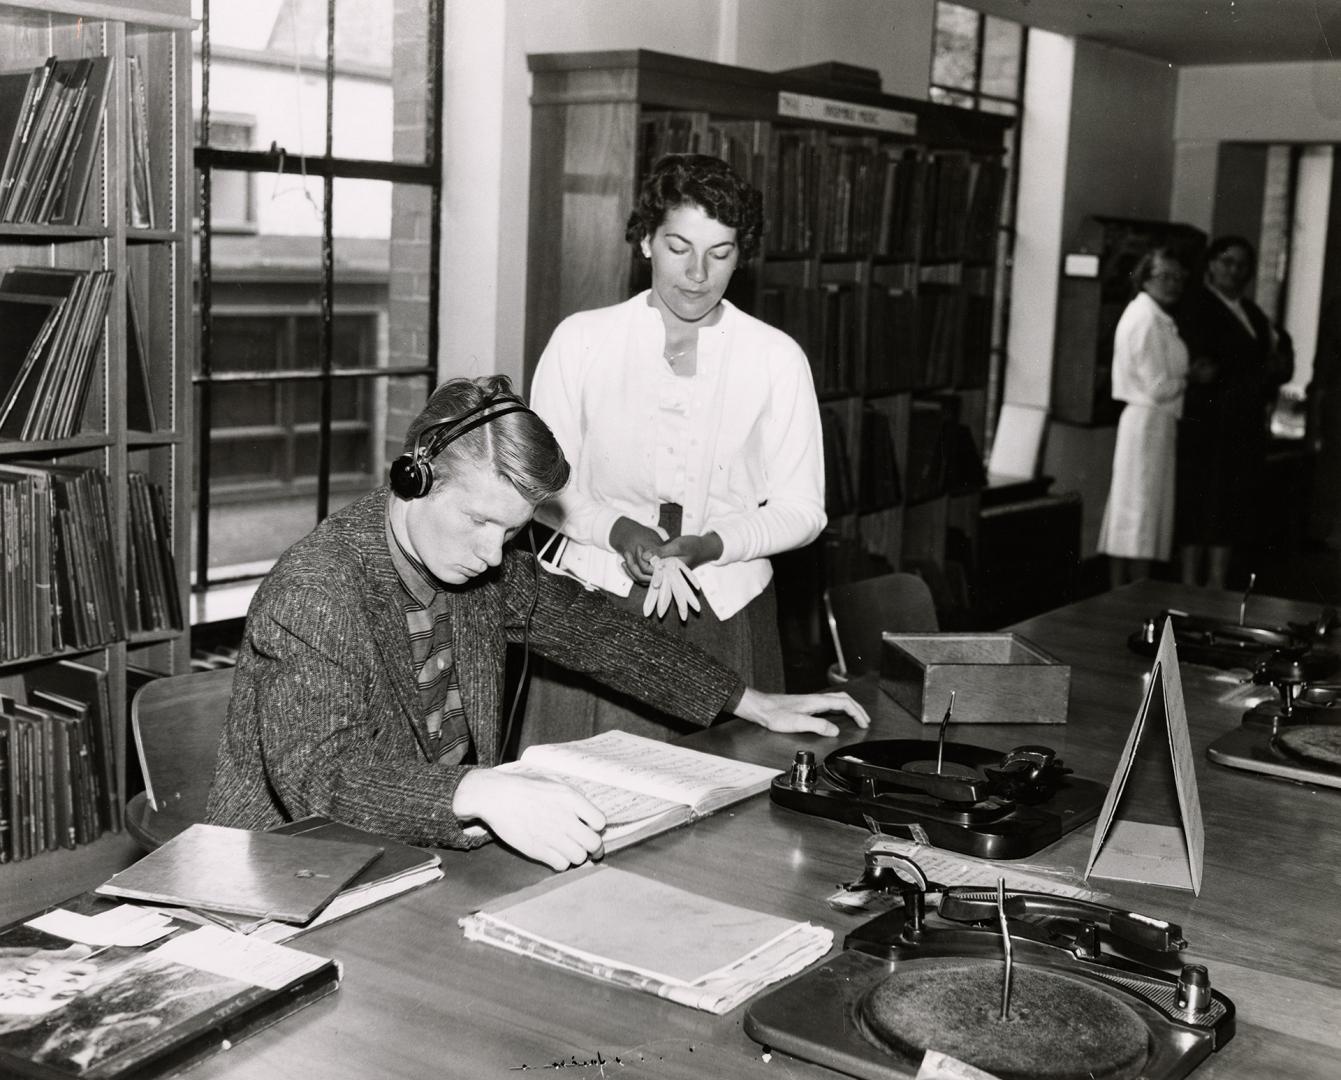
<point>643,787</point>
<point>400,868</point>
<point>647,935</point>
<point>96,988</point>
<point>265,874</point>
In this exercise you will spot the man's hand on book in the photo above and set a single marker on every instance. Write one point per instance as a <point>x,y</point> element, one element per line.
<point>798,712</point>
<point>543,819</point>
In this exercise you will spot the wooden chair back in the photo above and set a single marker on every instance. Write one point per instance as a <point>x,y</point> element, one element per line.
<point>176,721</point>
<point>860,611</point>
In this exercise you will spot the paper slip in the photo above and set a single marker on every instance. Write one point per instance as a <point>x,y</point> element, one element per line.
<point>950,868</point>
<point>124,925</point>
<point>938,1066</point>
<point>237,956</point>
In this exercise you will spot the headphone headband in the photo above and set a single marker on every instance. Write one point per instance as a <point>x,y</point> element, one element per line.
<point>411,474</point>
<point>450,429</point>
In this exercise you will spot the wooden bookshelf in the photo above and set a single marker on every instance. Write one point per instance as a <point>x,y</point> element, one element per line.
<point>878,255</point>
<point>155,34</point>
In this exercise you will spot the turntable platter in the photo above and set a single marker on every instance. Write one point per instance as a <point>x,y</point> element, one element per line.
<point>1059,1027</point>
<point>1318,744</point>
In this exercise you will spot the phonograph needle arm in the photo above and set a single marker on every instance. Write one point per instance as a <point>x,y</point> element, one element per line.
<point>967,904</point>
<point>1005,943</point>
<point>960,789</point>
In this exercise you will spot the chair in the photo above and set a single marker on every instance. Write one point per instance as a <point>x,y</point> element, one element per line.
<point>860,611</point>
<point>176,721</point>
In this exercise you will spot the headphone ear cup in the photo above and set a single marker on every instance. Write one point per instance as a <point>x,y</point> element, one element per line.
<point>411,477</point>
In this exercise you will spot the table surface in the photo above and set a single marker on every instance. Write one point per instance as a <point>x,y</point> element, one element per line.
<point>417,1000</point>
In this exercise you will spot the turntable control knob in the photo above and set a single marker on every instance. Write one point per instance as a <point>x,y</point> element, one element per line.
<point>803,769</point>
<point>1194,988</point>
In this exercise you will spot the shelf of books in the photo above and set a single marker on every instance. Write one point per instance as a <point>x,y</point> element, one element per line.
<point>878,258</point>
<point>94,310</point>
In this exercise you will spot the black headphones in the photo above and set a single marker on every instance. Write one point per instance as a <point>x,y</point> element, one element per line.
<point>412,473</point>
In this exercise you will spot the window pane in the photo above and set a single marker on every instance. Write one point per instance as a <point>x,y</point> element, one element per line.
<point>264,284</point>
<point>232,201</point>
<point>382,268</point>
<point>1002,41</point>
<point>247,343</point>
<point>381,80</point>
<point>263,478</point>
<point>955,51</point>
<point>268,61</point>
<point>945,97</point>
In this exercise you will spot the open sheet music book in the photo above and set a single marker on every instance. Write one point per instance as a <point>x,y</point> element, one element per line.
<point>643,934</point>
<point>643,787</point>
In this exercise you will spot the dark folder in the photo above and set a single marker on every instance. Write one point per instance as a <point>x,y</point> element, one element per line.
<point>290,878</point>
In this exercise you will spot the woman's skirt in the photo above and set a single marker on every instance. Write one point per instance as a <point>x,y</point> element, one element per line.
<point>1138,519</point>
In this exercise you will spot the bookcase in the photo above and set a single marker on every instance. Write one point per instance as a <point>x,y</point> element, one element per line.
<point>127,429</point>
<point>878,256</point>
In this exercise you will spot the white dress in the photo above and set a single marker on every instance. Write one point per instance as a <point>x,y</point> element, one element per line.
<point>1149,374</point>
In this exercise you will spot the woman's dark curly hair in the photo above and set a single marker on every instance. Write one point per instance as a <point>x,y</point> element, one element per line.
<point>703,181</point>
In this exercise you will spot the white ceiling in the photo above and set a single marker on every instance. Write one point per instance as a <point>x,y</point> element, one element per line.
<point>1190,31</point>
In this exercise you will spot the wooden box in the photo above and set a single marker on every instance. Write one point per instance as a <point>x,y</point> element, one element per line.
<point>998,678</point>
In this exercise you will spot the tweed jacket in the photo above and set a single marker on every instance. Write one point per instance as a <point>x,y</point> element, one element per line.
<point>325,719</point>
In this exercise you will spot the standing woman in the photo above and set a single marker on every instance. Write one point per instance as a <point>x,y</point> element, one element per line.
<point>1236,368</point>
<point>1149,372</point>
<point>693,431</point>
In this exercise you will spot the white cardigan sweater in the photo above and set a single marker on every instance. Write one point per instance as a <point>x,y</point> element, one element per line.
<point>754,468</point>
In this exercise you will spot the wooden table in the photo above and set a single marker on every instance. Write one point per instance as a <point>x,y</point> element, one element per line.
<point>418,1001</point>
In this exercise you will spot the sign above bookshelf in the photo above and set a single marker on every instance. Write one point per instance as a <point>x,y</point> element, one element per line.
<point>830,110</point>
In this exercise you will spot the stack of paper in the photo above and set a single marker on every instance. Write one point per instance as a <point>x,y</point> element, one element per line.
<point>632,931</point>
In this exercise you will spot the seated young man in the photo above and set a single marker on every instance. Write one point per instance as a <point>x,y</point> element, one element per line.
<point>369,685</point>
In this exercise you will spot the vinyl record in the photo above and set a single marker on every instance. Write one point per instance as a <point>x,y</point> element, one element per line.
<point>1317,744</point>
<point>1059,1028</point>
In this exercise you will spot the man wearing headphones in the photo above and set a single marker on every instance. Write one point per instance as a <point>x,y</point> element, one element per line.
<point>369,685</point>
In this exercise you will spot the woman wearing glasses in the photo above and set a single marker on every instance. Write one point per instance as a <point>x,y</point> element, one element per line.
<point>1149,373</point>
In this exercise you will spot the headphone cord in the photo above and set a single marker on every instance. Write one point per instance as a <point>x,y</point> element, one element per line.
<point>526,643</point>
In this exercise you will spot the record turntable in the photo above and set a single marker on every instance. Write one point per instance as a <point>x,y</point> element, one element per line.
<point>956,796</point>
<point>1296,736</point>
<point>1224,643</point>
<point>1023,985</point>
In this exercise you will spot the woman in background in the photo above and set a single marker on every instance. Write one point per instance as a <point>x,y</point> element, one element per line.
<point>693,432</point>
<point>1222,441</point>
<point>1149,373</point>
